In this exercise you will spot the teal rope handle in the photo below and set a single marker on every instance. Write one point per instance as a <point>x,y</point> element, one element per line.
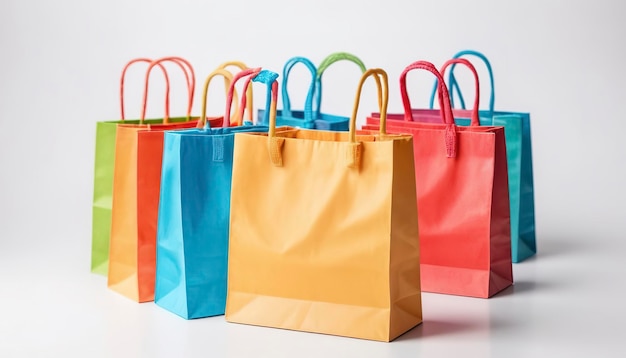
<point>308,104</point>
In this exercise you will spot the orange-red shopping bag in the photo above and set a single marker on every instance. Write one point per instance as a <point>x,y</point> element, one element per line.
<point>462,199</point>
<point>136,185</point>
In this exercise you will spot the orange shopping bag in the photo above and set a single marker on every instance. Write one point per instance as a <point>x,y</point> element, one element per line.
<point>136,185</point>
<point>327,241</point>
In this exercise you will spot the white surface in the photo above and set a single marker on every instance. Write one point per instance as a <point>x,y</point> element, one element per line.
<point>560,60</point>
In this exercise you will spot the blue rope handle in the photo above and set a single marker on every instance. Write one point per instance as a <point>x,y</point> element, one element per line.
<point>267,77</point>
<point>453,85</point>
<point>308,104</point>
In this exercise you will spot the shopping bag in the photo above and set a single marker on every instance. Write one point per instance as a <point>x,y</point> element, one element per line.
<point>194,210</point>
<point>135,196</point>
<point>462,198</point>
<point>520,165</point>
<point>103,167</point>
<point>288,116</point>
<point>328,240</point>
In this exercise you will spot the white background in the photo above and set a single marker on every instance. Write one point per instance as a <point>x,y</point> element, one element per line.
<point>562,61</point>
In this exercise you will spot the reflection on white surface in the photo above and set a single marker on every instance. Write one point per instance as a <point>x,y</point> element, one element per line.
<point>563,302</point>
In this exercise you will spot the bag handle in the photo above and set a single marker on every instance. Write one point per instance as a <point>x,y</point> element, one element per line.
<point>242,66</point>
<point>454,85</point>
<point>444,103</point>
<point>329,60</point>
<point>250,72</point>
<point>269,78</point>
<point>380,76</point>
<point>355,149</point>
<point>474,118</point>
<point>190,88</point>
<point>167,85</point>
<point>228,79</point>
<point>308,104</point>
<point>339,56</point>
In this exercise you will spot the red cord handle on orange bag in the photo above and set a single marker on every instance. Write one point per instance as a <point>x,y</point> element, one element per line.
<point>189,74</point>
<point>123,77</point>
<point>167,84</point>
<point>444,103</point>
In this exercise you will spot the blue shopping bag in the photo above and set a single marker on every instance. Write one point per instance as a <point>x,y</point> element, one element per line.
<point>194,209</point>
<point>519,156</point>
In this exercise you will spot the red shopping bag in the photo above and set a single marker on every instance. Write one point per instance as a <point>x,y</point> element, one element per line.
<point>462,200</point>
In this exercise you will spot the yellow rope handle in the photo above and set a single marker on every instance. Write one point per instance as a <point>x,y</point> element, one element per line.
<point>383,100</point>
<point>249,104</point>
<point>272,109</point>
<point>355,149</point>
<point>275,144</point>
<point>228,79</point>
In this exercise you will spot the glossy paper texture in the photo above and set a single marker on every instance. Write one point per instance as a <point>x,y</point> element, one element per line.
<point>463,209</point>
<point>103,188</point>
<point>320,247</point>
<point>136,186</point>
<point>194,212</point>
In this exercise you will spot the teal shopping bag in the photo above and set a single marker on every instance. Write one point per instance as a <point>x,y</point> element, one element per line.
<point>520,165</point>
<point>194,208</point>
